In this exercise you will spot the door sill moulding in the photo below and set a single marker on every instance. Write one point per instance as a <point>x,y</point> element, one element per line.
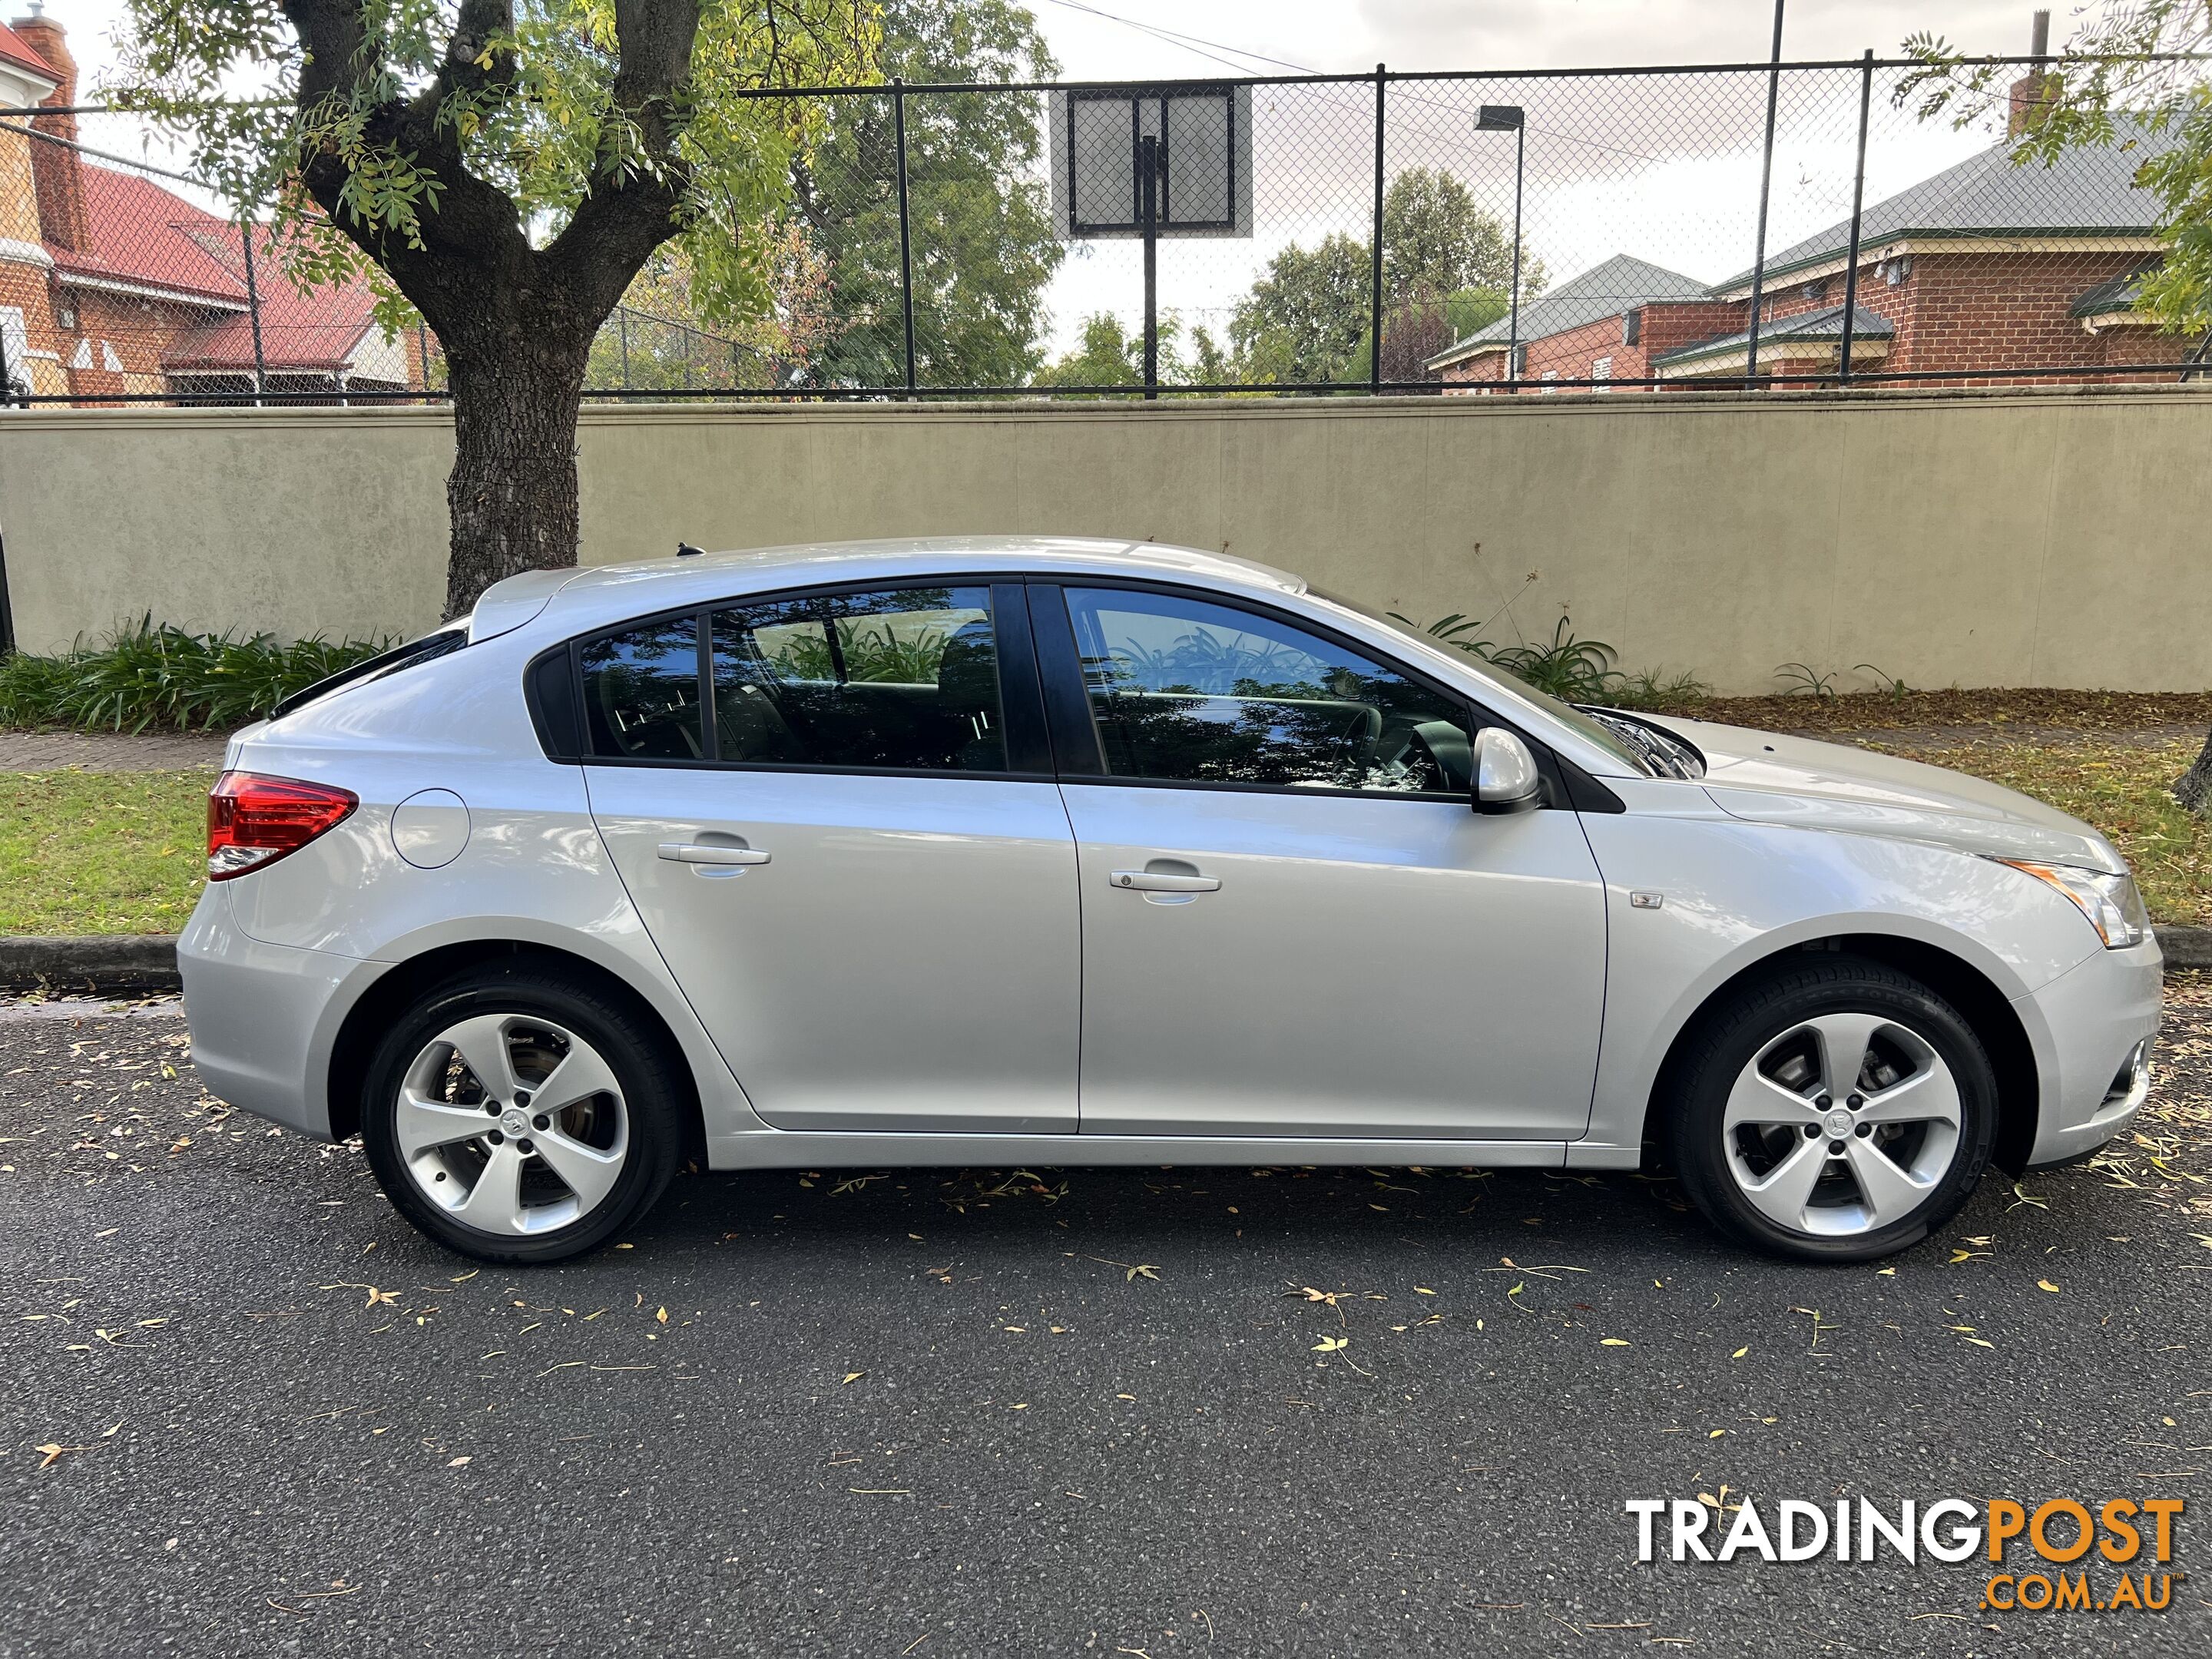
<point>801,1149</point>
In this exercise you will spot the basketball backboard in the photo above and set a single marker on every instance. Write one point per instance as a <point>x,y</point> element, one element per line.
<point>1204,134</point>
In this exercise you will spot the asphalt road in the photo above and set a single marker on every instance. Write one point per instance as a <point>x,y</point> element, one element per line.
<point>243,1410</point>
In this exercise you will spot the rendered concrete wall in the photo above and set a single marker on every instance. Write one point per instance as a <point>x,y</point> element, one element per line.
<point>2010,538</point>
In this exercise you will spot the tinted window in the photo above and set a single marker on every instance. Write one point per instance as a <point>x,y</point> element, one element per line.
<point>1197,693</point>
<point>900,680</point>
<point>641,692</point>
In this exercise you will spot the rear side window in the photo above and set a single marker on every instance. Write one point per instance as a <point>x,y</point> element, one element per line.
<point>904,679</point>
<point>1185,691</point>
<point>641,692</point>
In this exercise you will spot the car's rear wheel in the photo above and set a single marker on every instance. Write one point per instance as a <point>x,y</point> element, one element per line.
<point>517,1115</point>
<point>1838,1110</point>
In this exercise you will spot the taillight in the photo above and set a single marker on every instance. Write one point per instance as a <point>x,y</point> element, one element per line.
<point>254,820</point>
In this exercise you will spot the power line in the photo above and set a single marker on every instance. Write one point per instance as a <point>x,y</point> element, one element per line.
<point>1193,43</point>
<point>1189,42</point>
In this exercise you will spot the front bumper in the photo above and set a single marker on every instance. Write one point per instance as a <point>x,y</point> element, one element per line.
<point>261,1016</point>
<point>2096,1023</point>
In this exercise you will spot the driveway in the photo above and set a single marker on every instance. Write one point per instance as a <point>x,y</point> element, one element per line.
<point>1153,1413</point>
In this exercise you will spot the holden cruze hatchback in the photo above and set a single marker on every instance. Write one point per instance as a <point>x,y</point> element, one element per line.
<point>1029,850</point>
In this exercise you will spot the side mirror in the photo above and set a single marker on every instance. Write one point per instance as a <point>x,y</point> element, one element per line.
<point>1505,775</point>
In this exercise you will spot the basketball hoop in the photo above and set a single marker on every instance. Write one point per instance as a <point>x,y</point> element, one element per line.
<point>1147,161</point>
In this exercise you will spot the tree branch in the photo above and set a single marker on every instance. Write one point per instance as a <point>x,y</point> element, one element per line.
<point>629,210</point>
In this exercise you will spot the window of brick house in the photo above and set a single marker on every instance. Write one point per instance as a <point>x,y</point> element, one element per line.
<point>1601,371</point>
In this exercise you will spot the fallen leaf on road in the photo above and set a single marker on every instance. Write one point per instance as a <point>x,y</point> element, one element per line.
<point>2046,1284</point>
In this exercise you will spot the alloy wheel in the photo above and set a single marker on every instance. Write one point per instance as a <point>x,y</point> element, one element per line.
<point>512,1124</point>
<point>1841,1125</point>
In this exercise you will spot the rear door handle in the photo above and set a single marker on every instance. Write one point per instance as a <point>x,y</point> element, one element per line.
<point>1153,881</point>
<point>692,852</point>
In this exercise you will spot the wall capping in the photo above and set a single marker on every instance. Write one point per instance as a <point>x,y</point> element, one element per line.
<point>1529,406</point>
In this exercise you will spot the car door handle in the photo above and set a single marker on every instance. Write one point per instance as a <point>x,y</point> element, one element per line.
<point>692,852</point>
<point>1155,881</point>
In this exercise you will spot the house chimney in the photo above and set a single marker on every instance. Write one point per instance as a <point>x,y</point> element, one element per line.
<point>54,169</point>
<point>2032,92</point>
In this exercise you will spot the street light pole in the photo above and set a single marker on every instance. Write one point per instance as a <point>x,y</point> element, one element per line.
<point>1497,118</point>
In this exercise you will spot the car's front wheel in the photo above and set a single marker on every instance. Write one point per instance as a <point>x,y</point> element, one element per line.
<point>1838,1110</point>
<point>517,1115</point>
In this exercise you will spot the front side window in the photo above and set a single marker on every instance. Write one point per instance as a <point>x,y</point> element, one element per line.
<point>901,680</point>
<point>641,692</point>
<point>1182,690</point>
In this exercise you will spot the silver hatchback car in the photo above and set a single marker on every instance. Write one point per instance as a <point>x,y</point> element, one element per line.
<point>1021,850</point>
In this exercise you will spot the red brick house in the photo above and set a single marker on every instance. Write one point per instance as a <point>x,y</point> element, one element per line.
<point>1986,274</point>
<point>111,284</point>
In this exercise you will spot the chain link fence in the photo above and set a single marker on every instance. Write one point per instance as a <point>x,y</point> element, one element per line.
<point>1796,224</point>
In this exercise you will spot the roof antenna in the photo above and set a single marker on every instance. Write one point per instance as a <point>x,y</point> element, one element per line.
<point>685,551</point>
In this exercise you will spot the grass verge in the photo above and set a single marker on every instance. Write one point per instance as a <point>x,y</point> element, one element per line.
<point>2122,789</point>
<point>101,852</point>
<point>124,851</point>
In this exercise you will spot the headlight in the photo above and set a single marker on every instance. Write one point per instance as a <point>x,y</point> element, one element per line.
<point>2113,907</point>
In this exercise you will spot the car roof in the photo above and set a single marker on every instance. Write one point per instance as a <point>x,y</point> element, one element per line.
<point>608,592</point>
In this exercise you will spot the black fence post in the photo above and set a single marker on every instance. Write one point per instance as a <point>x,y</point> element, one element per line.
<point>906,226</point>
<point>1148,212</point>
<point>1858,200</point>
<point>1766,183</point>
<point>254,311</point>
<point>1375,253</point>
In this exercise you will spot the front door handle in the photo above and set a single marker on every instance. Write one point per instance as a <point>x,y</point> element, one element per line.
<point>1157,881</point>
<point>692,852</point>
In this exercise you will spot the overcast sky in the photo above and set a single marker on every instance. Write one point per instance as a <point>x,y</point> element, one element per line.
<point>1338,36</point>
<point>1666,170</point>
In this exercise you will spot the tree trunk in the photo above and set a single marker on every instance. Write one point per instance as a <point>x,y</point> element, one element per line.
<point>513,491</point>
<point>2194,788</point>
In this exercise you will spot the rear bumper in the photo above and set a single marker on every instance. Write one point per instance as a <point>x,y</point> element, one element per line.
<point>261,1017</point>
<point>2094,1018</point>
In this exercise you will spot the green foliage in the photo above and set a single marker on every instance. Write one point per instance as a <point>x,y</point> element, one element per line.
<point>145,677</point>
<point>1303,319</point>
<point>420,106</point>
<point>1447,271</point>
<point>867,653</point>
<point>1436,241</point>
<point>1573,670</point>
<point>1658,692</point>
<point>2133,78</point>
<point>981,221</point>
<point>1111,355</point>
<point>1890,683</point>
<point>1803,680</point>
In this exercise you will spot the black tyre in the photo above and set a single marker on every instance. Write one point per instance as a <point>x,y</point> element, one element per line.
<point>1837,1110</point>
<point>517,1115</point>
